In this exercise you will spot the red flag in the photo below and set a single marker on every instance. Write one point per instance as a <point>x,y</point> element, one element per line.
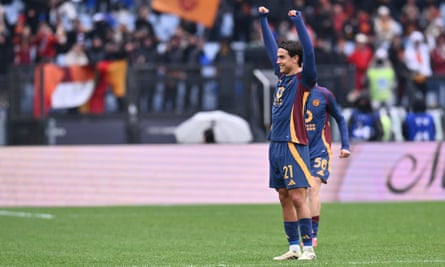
<point>200,11</point>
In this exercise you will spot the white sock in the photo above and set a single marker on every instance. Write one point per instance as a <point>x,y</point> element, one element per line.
<point>295,248</point>
<point>307,248</point>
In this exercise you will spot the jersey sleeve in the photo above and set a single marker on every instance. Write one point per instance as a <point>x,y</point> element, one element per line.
<point>335,111</point>
<point>269,42</point>
<point>309,72</point>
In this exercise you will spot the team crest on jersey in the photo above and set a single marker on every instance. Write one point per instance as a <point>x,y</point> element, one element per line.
<point>278,96</point>
<point>316,102</point>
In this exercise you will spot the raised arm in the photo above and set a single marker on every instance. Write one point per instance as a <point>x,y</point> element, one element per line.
<point>309,72</point>
<point>269,41</point>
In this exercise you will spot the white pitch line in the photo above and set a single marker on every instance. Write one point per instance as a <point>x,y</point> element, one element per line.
<point>394,262</point>
<point>314,263</point>
<point>26,214</point>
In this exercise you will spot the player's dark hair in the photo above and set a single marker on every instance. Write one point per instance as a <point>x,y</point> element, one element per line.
<point>293,48</point>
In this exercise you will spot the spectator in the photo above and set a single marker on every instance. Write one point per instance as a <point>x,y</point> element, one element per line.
<point>418,124</point>
<point>364,123</point>
<point>381,80</point>
<point>174,78</point>
<point>350,28</point>
<point>145,54</point>
<point>242,20</point>
<point>23,48</point>
<point>77,55</point>
<point>225,53</point>
<point>385,27</point>
<point>417,58</point>
<point>101,27</point>
<point>323,52</point>
<point>339,17</point>
<point>78,34</point>
<point>63,12</point>
<point>360,59</point>
<point>96,52</point>
<point>433,30</point>
<point>193,50</point>
<point>396,54</point>
<point>324,17</point>
<point>123,16</point>
<point>6,54</point>
<point>142,22</point>
<point>410,12</point>
<point>228,85</point>
<point>437,82</point>
<point>46,43</point>
<point>193,53</point>
<point>364,23</point>
<point>144,51</point>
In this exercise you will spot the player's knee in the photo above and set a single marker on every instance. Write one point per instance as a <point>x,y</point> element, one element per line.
<point>298,200</point>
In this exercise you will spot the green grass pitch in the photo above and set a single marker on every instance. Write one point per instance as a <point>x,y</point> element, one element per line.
<point>359,234</point>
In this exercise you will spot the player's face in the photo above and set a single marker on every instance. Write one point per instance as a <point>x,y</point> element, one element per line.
<point>286,63</point>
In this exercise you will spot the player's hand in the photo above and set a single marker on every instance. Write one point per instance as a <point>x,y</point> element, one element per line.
<point>263,10</point>
<point>344,153</point>
<point>293,13</point>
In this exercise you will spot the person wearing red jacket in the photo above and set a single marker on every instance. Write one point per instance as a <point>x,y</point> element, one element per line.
<point>360,59</point>
<point>437,81</point>
<point>45,42</point>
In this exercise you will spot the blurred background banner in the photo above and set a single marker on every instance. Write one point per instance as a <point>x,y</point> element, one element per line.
<point>200,11</point>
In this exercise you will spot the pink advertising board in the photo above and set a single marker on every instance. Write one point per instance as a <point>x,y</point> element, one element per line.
<point>394,172</point>
<point>207,174</point>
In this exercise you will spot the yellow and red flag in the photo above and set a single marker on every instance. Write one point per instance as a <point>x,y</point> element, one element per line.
<point>200,11</point>
<point>112,75</point>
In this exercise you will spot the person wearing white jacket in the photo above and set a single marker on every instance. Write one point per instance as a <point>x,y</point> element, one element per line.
<point>417,59</point>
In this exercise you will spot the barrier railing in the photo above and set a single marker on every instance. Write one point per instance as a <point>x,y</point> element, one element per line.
<point>162,91</point>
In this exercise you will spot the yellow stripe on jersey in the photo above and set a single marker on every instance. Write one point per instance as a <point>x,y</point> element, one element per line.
<point>303,107</point>
<point>305,97</point>
<point>325,142</point>
<point>300,162</point>
<point>293,135</point>
<point>328,147</point>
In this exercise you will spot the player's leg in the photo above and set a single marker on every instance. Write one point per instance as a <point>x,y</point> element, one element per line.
<point>315,207</point>
<point>298,179</point>
<point>298,196</point>
<point>320,169</point>
<point>289,214</point>
<point>290,224</point>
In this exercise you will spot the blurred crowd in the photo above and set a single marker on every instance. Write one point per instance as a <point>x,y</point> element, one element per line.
<point>396,46</point>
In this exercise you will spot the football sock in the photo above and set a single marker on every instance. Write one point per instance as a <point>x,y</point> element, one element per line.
<point>306,231</point>
<point>291,229</point>
<point>315,222</point>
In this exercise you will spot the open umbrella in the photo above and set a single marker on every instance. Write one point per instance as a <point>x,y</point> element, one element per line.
<point>227,128</point>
